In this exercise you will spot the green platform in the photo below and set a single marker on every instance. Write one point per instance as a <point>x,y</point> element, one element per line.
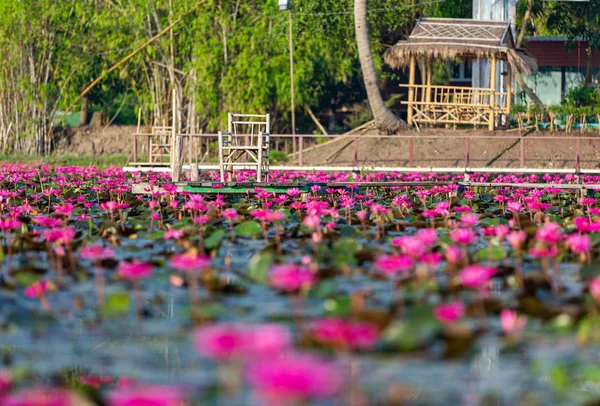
<point>239,189</point>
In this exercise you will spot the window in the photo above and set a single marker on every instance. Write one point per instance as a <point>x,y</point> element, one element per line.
<point>461,71</point>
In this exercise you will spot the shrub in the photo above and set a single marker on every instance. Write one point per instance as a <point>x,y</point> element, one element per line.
<point>537,113</point>
<point>583,96</point>
<point>582,113</point>
<point>554,111</point>
<point>518,110</point>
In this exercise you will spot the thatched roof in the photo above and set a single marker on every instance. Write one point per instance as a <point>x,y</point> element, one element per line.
<point>449,38</point>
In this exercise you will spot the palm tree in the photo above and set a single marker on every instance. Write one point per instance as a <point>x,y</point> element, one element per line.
<point>385,120</point>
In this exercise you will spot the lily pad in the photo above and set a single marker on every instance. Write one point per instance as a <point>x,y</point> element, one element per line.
<point>248,228</point>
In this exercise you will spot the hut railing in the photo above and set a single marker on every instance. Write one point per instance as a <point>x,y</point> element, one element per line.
<point>434,104</point>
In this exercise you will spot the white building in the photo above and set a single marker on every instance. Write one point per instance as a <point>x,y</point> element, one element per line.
<point>495,10</point>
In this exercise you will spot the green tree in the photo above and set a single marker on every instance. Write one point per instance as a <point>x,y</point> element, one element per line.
<point>578,21</point>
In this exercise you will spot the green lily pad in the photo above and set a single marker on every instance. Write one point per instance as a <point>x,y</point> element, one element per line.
<point>258,268</point>
<point>417,328</point>
<point>214,240</point>
<point>116,304</point>
<point>494,254</point>
<point>248,228</point>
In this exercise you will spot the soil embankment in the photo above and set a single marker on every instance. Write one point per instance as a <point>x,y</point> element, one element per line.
<point>552,152</point>
<point>97,141</point>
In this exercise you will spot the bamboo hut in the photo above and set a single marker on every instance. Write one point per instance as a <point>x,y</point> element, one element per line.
<point>449,39</point>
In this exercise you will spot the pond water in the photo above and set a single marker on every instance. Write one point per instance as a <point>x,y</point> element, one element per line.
<point>402,319</point>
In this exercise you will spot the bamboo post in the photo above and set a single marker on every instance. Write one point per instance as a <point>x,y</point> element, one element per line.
<point>429,65</point>
<point>193,172</point>
<point>509,79</point>
<point>135,137</point>
<point>175,143</point>
<point>492,92</point>
<point>221,165</point>
<point>300,148</point>
<point>411,90</point>
<point>423,80</point>
<point>149,147</point>
<point>429,75</point>
<point>577,155</point>
<point>259,157</point>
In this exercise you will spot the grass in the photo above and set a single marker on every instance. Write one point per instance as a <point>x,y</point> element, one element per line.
<point>64,160</point>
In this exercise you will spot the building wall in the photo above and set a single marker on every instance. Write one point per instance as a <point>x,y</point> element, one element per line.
<point>554,53</point>
<point>559,69</point>
<point>495,10</point>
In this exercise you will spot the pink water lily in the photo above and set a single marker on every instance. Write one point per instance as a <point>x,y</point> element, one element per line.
<point>449,312</point>
<point>391,265</point>
<point>37,289</point>
<point>96,252</point>
<point>173,234</point>
<point>9,224</point>
<point>230,214</point>
<point>293,378</point>
<point>516,239</point>
<point>595,289</point>
<point>469,219</point>
<point>291,277</point>
<point>143,395</point>
<point>514,206</point>
<point>40,396</point>
<point>413,246</point>
<point>344,333</point>
<point>463,236</point>
<point>189,262</point>
<point>453,254</point>
<point>135,270</point>
<point>476,276</point>
<point>511,322</point>
<point>579,244</point>
<point>549,233</point>
<point>226,341</point>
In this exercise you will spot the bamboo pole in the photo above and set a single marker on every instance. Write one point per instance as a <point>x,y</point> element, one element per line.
<point>131,55</point>
<point>411,90</point>
<point>316,121</point>
<point>509,78</point>
<point>429,66</point>
<point>175,142</point>
<point>492,92</point>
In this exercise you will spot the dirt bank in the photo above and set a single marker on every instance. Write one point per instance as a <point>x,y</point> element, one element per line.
<point>96,142</point>
<point>446,152</point>
<point>428,152</point>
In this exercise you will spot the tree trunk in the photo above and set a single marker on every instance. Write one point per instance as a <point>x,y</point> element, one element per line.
<point>590,67</point>
<point>528,91</point>
<point>385,120</point>
<point>83,114</point>
<point>526,18</point>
